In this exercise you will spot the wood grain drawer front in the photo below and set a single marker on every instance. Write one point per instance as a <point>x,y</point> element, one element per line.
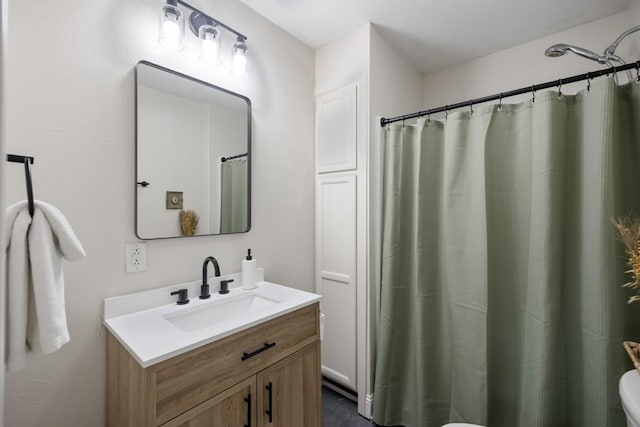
<point>189,379</point>
<point>235,407</point>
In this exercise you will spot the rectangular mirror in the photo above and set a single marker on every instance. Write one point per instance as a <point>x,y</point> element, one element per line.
<point>193,156</point>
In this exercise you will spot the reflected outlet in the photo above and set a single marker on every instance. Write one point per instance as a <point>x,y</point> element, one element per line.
<point>135,257</point>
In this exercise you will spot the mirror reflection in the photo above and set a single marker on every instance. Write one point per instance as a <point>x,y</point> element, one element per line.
<point>193,143</point>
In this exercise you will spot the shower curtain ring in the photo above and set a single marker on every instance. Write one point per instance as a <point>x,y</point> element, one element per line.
<point>500,103</point>
<point>560,88</point>
<point>637,72</point>
<point>446,112</point>
<point>471,107</point>
<point>589,82</point>
<point>533,93</point>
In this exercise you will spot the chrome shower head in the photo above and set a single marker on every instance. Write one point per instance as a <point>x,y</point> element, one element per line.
<point>560,49</point>
<point>556,50</point>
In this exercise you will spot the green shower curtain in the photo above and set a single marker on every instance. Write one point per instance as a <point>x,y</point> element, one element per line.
<point>501,298</point>
<point>233,198</point>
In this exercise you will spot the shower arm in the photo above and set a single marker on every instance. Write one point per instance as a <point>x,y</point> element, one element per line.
<point>610,51</point>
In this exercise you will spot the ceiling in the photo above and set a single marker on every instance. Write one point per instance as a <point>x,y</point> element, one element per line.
<point>435,34</point>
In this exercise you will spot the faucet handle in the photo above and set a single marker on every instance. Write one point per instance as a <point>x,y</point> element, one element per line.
<point>224,286</point>
<point>183,296</point>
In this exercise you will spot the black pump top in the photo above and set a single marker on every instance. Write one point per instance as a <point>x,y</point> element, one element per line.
<point>249,257</point>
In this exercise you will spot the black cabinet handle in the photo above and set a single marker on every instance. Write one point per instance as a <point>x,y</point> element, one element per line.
<point>266,346</point>
<point>248,400</point>
<point>270,410</point>
<point>143,183</point>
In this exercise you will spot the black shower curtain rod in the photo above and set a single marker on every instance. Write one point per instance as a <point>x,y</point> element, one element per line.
<point>237,156</point>
<point>531,89</point>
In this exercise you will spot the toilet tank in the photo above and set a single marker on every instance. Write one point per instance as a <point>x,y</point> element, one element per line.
<point>630,396</point>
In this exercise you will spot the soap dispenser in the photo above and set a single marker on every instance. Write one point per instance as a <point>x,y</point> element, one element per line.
<point>249,272</point>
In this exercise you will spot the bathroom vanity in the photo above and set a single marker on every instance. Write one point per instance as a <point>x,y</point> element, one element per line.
<point>260,367</point>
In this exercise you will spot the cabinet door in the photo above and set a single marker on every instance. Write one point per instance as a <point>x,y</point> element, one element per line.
<point>337,225</point>
<point>235,407</point>
<point>336,130</point>
<point>290,391</point>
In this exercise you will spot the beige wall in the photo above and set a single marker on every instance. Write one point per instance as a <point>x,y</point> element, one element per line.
<point>71,105</point>
<point>525,65</point>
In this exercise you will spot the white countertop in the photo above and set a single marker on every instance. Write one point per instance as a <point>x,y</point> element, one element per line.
<point>151,338</point>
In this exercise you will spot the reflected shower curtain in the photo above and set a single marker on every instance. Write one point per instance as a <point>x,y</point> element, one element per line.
<point>501,298</point>
<point>233,197</point>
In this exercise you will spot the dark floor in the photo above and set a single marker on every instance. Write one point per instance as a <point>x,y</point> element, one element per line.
<point>338,411</point>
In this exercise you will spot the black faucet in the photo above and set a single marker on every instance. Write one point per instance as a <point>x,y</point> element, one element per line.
<point>204,289</point>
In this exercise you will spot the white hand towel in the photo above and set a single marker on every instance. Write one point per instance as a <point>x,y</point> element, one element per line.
<point>17,275</point>
<point>49,239</point>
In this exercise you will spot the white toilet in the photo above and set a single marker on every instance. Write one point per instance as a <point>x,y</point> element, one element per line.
<point>630,396</point>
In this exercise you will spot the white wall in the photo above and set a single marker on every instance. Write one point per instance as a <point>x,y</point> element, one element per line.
<point>3,64</point>
<point>70,95</point>
<point>343,61</point>
<point>525,65</point>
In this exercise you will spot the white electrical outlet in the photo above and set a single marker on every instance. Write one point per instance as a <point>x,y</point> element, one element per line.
<point>135,257</point>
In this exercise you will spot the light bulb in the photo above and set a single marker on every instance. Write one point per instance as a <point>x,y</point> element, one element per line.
<point>210,44</point>
<point>171,30</point>
<point>239,58</point>
<point>171,27</point>
<point>239,66</point>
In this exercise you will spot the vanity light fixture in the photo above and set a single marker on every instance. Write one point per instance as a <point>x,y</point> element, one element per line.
<point>208,31</point>
<point>239,58</point>
<point>171,26</point>
<point>209,44</point>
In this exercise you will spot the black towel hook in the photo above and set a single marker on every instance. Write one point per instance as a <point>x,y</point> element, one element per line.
<point>27,161</point>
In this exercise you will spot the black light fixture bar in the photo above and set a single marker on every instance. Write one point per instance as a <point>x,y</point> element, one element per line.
<point>531,89</point>
<point>226,27</point>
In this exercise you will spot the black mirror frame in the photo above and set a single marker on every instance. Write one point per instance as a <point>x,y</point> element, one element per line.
<point>249,156</point>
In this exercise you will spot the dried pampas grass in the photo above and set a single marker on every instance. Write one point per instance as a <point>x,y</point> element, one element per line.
<point>188,222</point>
<point>629,234</point>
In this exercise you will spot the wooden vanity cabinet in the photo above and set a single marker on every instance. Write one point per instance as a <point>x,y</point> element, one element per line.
<point>236,381</point>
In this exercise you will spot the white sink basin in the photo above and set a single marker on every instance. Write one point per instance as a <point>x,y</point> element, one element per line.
<point>154,328</point>
<point>228,310</point>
